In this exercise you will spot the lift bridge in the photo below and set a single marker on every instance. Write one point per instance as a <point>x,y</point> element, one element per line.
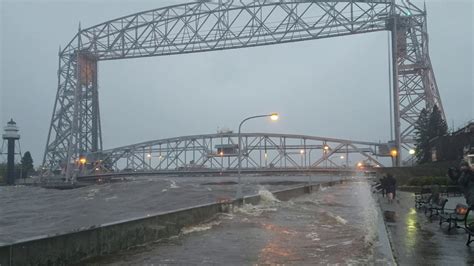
<point>217,153</point>
<point>75,131</point>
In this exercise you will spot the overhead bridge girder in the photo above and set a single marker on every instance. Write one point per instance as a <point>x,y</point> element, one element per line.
<point>259,151</point>
<point>204,26</point>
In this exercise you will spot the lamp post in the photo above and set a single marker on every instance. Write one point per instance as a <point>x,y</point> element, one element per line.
<point>325,152</point>
<point>149,160</point>
<point>274,117</point>
<point>303,161</point>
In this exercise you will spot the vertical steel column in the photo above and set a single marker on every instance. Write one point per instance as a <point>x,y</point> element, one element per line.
<point>396,96</point>
<point>96,134</point>
<point>73,143</point>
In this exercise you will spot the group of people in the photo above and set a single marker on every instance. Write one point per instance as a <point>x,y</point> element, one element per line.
<point>464,177</point>
<point>388,186</point>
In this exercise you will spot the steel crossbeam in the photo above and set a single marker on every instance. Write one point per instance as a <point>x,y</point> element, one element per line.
<point>259,150</point>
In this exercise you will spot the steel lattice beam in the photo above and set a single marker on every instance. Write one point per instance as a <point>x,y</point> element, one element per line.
<point>260,151</point>
<point>204,26</point>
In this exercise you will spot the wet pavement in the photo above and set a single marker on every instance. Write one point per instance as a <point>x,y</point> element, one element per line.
<point>417,240</point>
<point>336,225</point>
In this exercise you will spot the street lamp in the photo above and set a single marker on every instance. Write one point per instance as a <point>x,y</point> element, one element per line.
<point>303,161</point>
<point>325,152</point>
<point>273,117</point>
<point>394,153</point>
<point>149,160</point>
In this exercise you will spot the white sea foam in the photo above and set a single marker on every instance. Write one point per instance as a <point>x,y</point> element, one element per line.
<point>313,236</point>
<point>268,203</point>
<point>173,184</point>
<point>91,193</point>
<point>370,214</point>
<point>200,227</point>
<point>255,210</point>
<point>111,198</point>
<point>226,216</point>
<point>266,196</point>
<point>346,242</point>
<point>340,219</point>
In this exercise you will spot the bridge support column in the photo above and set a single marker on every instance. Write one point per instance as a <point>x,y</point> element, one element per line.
<point>396,95</point>
<point>86,134</point>
<point>414,85</point>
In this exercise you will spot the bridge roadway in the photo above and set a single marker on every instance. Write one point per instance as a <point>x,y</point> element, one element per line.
<point>216,172</point>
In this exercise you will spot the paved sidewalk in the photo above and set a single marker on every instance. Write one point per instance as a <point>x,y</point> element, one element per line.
<point>416,240</point>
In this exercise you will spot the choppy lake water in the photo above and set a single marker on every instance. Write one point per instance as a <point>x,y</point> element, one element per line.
<point>27,212</point>
<point>336,225</point>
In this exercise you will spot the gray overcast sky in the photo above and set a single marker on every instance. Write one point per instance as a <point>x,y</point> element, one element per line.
<point>334,87</point>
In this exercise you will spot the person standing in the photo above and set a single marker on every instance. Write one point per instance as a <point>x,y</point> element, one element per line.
<point>383,185</point>
<point>464,177</point>
<point>391,184</point>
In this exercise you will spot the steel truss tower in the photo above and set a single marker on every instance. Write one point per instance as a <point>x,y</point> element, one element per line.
<point>204,26</point>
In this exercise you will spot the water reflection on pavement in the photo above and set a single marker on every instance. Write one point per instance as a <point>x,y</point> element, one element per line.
<point>417,240</point>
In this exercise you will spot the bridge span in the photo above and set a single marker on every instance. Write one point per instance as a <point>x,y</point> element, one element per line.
<point>218,153</point>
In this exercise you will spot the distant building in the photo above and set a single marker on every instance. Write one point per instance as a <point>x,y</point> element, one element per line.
<point>454,146</point>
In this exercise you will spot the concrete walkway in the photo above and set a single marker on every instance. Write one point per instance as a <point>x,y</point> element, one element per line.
<point>416,240</point>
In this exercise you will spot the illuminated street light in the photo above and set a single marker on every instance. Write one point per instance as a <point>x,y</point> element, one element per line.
<point>149,160</point>
<point>411,151</point>
<point>301,151</point>
<point>342,157</point>
<point>394,153</point>
<point>273,117</point>
<point>325,152</point>
<point>82,160</point>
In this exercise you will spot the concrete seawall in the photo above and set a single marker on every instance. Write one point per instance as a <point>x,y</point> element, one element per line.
<point>87,243</point>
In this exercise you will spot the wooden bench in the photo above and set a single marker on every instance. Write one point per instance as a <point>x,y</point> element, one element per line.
<point>423,197</point>
<point>469,226</point>
<point>452,218</point>
<point>435,208</point>
<point>460,214</point>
